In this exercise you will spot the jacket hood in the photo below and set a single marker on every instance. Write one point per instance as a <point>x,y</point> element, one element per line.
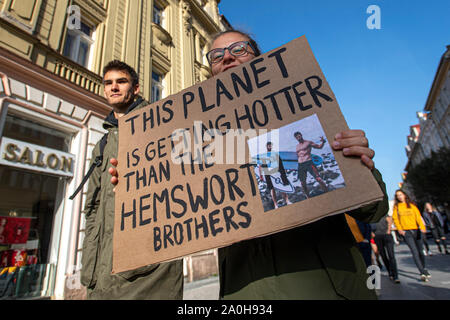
<point>111,120</point>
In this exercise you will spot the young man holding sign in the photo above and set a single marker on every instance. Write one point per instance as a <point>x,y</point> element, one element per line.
<point>156,281</point>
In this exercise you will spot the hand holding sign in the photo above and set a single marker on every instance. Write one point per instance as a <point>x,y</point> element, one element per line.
<point>113,171</point>
<point>354,143</point>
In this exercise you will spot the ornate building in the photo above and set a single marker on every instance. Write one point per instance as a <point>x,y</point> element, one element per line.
<point>52,108</point>
<point>433,130</point>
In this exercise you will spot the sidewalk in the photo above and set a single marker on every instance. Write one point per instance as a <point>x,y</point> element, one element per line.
<point>205,289</point>
<point>410,288</point>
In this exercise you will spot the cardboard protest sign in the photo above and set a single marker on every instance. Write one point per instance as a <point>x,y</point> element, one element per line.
<point>241,155</point>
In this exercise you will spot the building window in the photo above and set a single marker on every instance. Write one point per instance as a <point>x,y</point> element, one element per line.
<point>200,49</point>
<point>78,44</point>
<point>157,86</point>
<point>158,16</point>
<point>203,53</point>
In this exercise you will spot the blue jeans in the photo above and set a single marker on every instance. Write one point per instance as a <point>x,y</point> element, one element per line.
<point>413,239</point>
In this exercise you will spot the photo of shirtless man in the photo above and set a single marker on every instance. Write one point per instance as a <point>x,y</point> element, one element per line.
<point>305,163</point>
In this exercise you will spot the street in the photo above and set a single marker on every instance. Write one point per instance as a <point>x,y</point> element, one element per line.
<point>410,288</point>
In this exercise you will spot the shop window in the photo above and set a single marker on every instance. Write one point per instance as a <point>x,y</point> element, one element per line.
<point>35,133</point>
<point>29,201</point>
<point>27,207</point>
<point>157,87</point>
<point>78,44</point>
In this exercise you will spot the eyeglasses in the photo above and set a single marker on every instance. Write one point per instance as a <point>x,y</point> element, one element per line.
<point>236,49</point>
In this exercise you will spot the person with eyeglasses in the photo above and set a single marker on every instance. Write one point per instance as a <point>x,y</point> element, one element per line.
<point>317,261</point>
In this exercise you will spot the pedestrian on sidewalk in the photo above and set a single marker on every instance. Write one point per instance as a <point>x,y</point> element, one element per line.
<point>385,243</point>
<point>410,225</point>
<point>426,251</point>
<point>375,251</point>
<point>435,222</point>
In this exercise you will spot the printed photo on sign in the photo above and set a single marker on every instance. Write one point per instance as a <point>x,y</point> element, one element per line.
<point>294,163</point>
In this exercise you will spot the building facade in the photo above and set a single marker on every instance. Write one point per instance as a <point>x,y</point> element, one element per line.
<point>433,130</point>
<point>51,112</point>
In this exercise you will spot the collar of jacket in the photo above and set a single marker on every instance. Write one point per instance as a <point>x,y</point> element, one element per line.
<point>111,118</point>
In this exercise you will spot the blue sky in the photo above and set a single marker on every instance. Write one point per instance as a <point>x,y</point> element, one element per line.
<point>381,78</point>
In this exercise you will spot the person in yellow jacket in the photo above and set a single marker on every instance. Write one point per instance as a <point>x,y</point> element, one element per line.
<point>410,225</point>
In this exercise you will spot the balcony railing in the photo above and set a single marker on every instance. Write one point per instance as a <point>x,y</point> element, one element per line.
<point>75,73</point>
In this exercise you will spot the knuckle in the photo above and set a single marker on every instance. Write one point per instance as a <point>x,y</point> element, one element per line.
<point>365,141</point>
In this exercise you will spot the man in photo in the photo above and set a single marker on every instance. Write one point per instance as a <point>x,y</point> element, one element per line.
<point>266,168</point>
<point>305,163</point>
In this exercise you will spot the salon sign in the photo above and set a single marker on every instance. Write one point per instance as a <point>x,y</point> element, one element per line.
<point>37,158</point>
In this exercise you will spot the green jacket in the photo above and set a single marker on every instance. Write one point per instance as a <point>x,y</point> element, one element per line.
<point>157,281</point>
<point>316,261</point>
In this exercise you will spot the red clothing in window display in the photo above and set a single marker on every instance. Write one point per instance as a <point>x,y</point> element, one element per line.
<point>14,230</point>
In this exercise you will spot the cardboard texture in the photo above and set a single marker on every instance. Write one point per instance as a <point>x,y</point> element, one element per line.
<point>166,210</point>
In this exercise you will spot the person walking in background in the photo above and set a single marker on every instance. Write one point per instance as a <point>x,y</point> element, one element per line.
<point>426,251</point>
<point>435,222</point>
<point>375,251</point>
<point>410,225</point>
<point>385,243</point>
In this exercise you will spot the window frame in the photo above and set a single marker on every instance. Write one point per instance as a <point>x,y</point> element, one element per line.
<point>79,37</point>
<point>159,13</point>
<point>157,84</point>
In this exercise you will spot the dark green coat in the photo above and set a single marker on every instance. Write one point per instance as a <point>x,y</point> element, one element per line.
<point>157,281</point>
<point>316,261</point>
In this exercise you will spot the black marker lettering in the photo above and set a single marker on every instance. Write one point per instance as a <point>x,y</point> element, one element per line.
<point>127,214</point>
<point>280,62</point>
<point>132,122</point>
<point>188,97</point>
<point>314,92</point>
<point>256,72</point>
<point>221,90</point>
<point>247,86</point>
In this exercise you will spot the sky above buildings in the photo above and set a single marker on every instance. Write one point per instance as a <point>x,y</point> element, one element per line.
<point>380,77</point>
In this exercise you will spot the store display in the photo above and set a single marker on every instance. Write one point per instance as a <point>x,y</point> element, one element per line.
<point>7,282</point>
<point>19,258</point>
<point>14,229</point>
